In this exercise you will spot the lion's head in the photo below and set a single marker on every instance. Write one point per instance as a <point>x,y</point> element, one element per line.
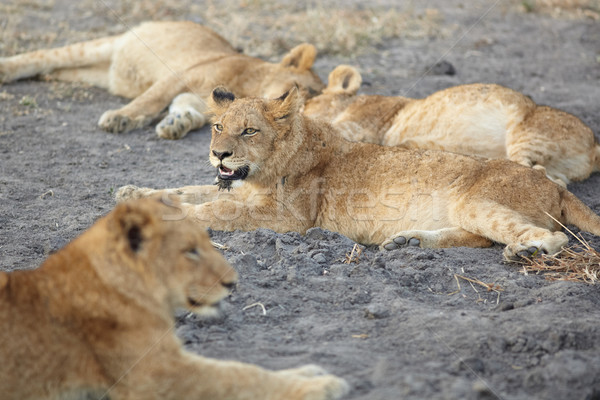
<point>250,136</point>
<point>295,69</point>
<point>153,250</point>
<point>342,85</point>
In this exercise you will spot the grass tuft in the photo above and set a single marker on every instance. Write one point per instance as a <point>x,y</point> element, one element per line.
<point>578,263</point>
<point>563,8</point>
<point>350,30</point>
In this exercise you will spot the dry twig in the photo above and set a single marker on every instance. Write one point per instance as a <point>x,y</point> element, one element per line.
<point>491,287</point>
<point>354,255</point>
<point>578,263</point>
<point>219,246</point>
<point>261,305</point>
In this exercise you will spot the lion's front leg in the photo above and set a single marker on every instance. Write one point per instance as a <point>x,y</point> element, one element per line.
<point>230,212</point>
<point>187,112</point>
<point>186,194</point>
<point>309,382</point>
<point>144,108</point>
<point>204,378</point>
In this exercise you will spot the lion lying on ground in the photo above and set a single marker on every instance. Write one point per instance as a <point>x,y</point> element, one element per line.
<point>159,62</point>
<point>289,172</point>
<point>483,120</point>
<point>96,319</point>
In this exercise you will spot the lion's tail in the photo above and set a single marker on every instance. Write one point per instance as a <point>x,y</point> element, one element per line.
<point>576,213</point>
<point>597,157</point>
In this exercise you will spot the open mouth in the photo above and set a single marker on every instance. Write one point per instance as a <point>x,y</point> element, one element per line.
<point>231,175</point>
<point>202,309</point>
<point>196,304</point>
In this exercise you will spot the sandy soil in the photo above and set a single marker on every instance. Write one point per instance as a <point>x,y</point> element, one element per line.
<point>395,324</point>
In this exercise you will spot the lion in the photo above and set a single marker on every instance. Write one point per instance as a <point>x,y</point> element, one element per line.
<point>289,172</point>
<point>162,63</point>
<point>477,119</point>
<point>96,320</point>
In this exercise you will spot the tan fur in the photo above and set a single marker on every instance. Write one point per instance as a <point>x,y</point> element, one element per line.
<point>483,120</point>
<point>96,319</point>
<point>302,174</point>
<point>155,62</point>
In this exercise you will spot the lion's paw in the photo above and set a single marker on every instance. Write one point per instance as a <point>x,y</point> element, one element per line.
<point>548,243</point>
<point>520,251</point>
<point>173,127</point>
<point>114,121</point>
<point>131,192</point>
<point>328,387</point>
<point>311,382</point>
<point>401,240</point>
<point>177,124</point>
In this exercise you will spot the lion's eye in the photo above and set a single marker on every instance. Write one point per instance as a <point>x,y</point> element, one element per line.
<point>249,132</point>
<point>193,254</point>
<point>218,127</point>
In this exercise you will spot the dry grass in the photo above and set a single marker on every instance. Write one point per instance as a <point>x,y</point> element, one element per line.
<point>331,29</point>
<point>490,287</point>
<point>264,28</point>
<point>354,255</point>
<point>579,263</point>
<point>563,8</point>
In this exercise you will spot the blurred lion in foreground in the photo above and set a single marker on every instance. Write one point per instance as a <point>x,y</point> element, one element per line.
<point>96,319</point>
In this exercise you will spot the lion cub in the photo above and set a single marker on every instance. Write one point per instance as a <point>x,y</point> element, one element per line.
<point>96,319</point>
<point>162,63</point>
<point>289,172</point>
<point>484,120</point>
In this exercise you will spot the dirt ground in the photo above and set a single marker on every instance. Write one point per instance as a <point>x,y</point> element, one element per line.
<point>402,324</point>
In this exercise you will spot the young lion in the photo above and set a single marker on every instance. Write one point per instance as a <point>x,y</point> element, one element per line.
<point>289,172</point>
<point>96,319</point>
<point>484,120</point>
<point>159,62</point>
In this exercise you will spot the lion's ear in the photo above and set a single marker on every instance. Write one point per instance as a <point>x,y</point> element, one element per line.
<point>344,79</point>
<point>286,105</point>
<point>220,100</point>
<point>302,57</point>
<point>133,226</point>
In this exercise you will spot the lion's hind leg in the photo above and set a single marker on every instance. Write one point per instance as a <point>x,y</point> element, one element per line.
<point>555,140</point>
<point>440,238</point>
<point>523,237</point>
<point>187,112</point>
<point>96,75</point>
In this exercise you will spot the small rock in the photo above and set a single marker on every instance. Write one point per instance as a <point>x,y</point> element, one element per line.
<point>376,311</point>
<point>320,258</point>
<point>442,68</point>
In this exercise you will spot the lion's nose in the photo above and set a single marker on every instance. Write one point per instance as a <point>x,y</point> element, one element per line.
<point>221,154</point>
